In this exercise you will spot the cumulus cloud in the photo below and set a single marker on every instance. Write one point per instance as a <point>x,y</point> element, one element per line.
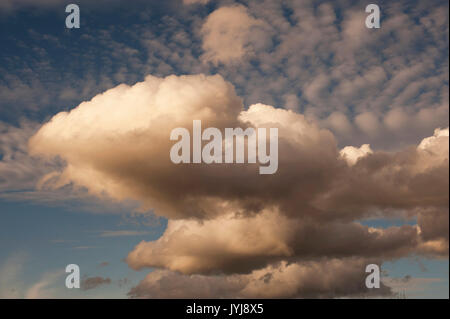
<point>306,57</point>
<point>230,244</point>
<point>312,279</point>
<point>386,88</point>
<point>27,178</point>
<point>119,147</point>
<point>352,154</point>
<point>436,142</point>
<point>142,133</point>
<point>227,223</point>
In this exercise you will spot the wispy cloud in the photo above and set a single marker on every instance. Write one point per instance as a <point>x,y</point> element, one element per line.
<point>408,286</point>
<point>122,233</point>
<point>84,247</point>
<point>89,283</point>
<point>11,284</point>
<point>45,287</point>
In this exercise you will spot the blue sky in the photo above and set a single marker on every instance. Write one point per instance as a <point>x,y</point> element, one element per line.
<point>388,90</point>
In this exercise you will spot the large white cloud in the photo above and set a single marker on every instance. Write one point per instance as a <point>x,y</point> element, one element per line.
<point>228,219</point>
<point>233,244</point>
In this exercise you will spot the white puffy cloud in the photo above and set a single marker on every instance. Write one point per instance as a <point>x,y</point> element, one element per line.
<point>352,154</point>
<point>229,219</point>
<point>327,61</point>
<point>384,88</point>
<point>136,122</point>
<point>437,141</point>
<point>234,244</point>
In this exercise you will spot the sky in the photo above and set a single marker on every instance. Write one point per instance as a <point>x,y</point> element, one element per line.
<point>86,178</point>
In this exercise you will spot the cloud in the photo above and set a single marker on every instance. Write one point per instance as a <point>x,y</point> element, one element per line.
<point>27,178</point>
<point>89,283</point>
<point>233,244</point>
<point>353,154</point>
<point>408,286</point>
<point>132,125</point>
<point>9,5</point>
<point>363,75</point>
<point>159,106</point>
<point>368,123</point>
<point>19,171</point>
<point>388,88</point>
<point>121,233</point>
<point>43,288</point>
<point>388,72</point>
<point>228,222</point>
<point>11,285</point>
<point>312,279</point>
<point>195,2</point>
<point>436,142</point>
<point>230,33</point>
<point>84,247</point>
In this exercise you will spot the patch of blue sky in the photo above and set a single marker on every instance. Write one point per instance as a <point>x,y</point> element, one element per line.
<point>53,237</point>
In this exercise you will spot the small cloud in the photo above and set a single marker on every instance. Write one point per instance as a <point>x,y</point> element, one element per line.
<point>406,278</point>
<point>94,282</point>
<point>124,282</point>
<point>11,269</point>
<point>409,284</point>
<point>121,233</point>
<point>83,247</point>
<point>62,241</point>
<point>187,2</point>
<point>44,288</point>
<point>230,33</point>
